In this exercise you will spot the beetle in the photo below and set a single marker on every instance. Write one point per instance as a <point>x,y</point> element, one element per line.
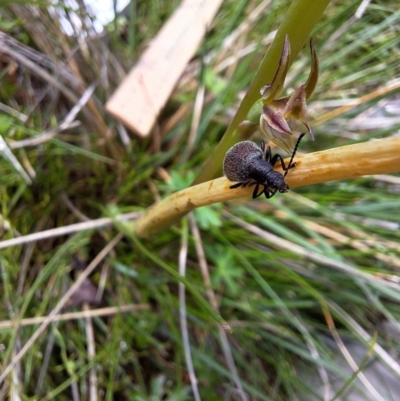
<point>252,165</point>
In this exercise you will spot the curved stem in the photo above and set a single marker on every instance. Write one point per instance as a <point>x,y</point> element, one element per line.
<point>374,157</point>
<point>300,20</point>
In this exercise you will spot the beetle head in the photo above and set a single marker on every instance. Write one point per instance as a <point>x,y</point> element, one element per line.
<point>276,181</point>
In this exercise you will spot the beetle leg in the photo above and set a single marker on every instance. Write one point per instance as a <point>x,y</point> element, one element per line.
<point>255,192</point>
<point>240,184</point>
<point>277,157</point>
<point>268,155</point>
<point>268,193</point>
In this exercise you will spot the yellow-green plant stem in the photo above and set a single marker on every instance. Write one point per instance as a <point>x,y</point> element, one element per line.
<point>380,156</point>
<point>298,24</point>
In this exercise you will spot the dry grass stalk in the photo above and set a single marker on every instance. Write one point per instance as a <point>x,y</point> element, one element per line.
<point>373,157</point>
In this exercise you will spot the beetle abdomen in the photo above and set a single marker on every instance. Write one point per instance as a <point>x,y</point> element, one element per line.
<point>239,159</point>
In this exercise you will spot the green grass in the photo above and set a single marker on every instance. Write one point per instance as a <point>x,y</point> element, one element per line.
<point>290,276</point>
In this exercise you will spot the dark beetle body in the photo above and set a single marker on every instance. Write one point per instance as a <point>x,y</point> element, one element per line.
<point>251,165</point>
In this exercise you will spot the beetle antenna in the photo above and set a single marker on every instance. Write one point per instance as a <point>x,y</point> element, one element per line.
<point>294,153</point>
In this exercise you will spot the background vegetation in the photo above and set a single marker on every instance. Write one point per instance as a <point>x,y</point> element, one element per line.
<point>297,278</point>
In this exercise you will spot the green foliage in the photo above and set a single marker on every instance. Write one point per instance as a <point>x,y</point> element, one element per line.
<point>281,270</point>
<point>227,271</point>
<point>159,392</point>
<point>208,217</point>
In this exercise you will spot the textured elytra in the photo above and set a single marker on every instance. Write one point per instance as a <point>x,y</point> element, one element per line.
<point>239,158</point>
